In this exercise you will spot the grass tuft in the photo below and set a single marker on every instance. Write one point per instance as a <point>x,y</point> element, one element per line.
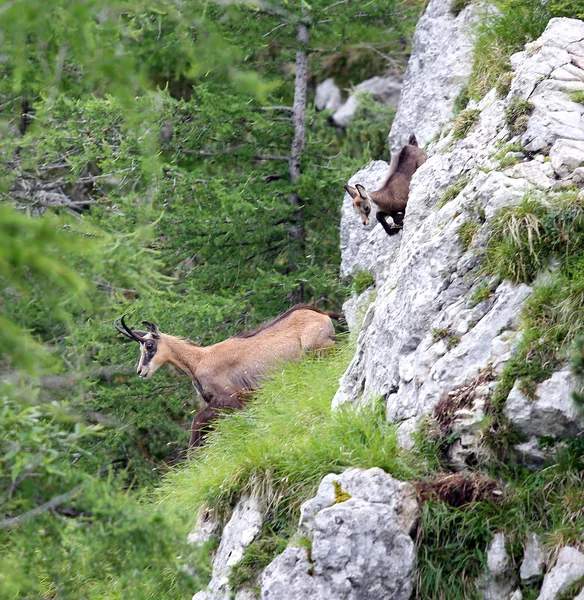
<point>458,6</point>
<point>466,233</point>
<point>577,96</point>
<point>464,121</point>
<point>517,115</point>
<point>362,280</point>
<point>452,192</point>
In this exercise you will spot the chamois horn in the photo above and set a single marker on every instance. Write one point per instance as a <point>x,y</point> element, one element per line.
<point>125,330</point>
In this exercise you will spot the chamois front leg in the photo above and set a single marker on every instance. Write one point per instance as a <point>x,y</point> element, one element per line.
<point>389,230</point>
<point>217,406</point>
<point>201,425</point>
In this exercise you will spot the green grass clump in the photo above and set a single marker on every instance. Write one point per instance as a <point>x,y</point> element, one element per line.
<point>466,233</point>
<point>284,443</point>
<point>362,281</point>
<point>517,115</point>
<point>480,294</point>
<point>464,122</point>
<point>451,192</point>
<point>577,96</point>
<point>258,555</point>
<point>505,154</point>
<point>461,100</point>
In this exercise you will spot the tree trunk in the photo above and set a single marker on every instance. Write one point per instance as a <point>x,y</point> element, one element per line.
<point>297,232</point>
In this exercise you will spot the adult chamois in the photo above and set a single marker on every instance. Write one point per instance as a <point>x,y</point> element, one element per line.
<point>223,374</point>
<point>392,197</point>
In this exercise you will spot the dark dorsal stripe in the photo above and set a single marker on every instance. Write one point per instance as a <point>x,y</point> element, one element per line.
<point>279,318</point>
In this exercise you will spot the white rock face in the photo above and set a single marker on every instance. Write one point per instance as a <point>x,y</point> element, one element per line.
<point>498,583</point>
<point>328,95</point>
<point>206,527</point>
<point>551,413</point>
<point>533,560</point>
<point>383,89</point>
<point>566,156</point>
<point>425,335</point>
<point>545,73</point>
<point>361,548</point>
<point>437,71</point>
<point>568,569</point>
<point>241,530</point>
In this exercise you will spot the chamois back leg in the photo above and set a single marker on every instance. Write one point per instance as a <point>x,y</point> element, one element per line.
<point>319,337</point>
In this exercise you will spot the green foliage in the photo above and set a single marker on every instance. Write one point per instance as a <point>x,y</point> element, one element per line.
<point>362,280</point>
<point>458,5</point>
<point>500,34</point>
<point>462,99</point>
<point>480,294</point>
<point>577,96</point>
<point>517,115</point>
<point>505,154</point>
<point>524,242</point>
<point>106,544</point>
<point>464,122</point>
<point>577,362</point>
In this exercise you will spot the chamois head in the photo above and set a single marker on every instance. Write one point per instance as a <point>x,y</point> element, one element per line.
<point>361,201</point>
<point>152,355</point>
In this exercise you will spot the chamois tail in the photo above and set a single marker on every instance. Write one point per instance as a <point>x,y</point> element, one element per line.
<point>413,141</point>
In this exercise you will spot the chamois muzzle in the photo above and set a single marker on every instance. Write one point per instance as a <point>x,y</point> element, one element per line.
<point>125,330</point>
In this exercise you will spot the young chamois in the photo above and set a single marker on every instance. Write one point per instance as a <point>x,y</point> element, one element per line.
<point>223,374</point>
<point>391,198</point>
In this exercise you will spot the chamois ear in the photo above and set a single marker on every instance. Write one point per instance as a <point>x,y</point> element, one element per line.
<point>152,329</point>
<point>351,191</point>
<point>362,191</point>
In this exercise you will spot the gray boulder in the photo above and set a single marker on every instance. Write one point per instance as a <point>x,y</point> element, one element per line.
<point>499,581</point>
<point>551,413</point>
<point>242,529</point>
<point>385,90</point>
<point>356,542</point>
<point>328,95</point>
<point>533,560</point>
<point>568,569</point>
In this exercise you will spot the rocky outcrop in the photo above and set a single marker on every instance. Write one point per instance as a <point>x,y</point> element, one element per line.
<point>569,569</point>
<point>328,95</point>
<point>354,542</point>
<point>385,90</point>
<point>437,71</point>
<point>242,528</point>
<point>437,323</point>
<point>550,412</point>
<point>499,581</point>
<point>533,560</point>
